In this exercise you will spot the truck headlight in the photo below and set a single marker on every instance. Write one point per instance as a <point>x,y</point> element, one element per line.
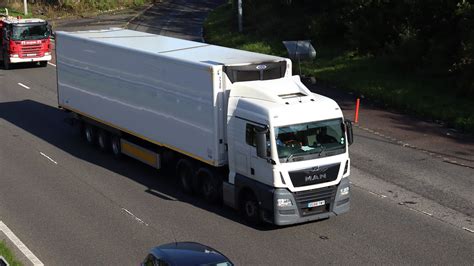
<point>14,56</point>
<point>284,203</point>
<point>344,191</point>
<point>47,53</point>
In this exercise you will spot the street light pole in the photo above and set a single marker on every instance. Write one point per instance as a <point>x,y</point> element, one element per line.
<point>239,8</point>
<point>25,4</point>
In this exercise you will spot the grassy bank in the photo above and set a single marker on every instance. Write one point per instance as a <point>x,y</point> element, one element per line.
<point>8,255</point>
<point>407,91</point>
<point>85,8</point>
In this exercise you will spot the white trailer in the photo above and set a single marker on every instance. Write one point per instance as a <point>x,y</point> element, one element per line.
<point>235,124</point>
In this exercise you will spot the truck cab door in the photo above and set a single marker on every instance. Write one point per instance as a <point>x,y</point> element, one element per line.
<point>243,157</point>
<point>260,162</point>
<point>239,150</point>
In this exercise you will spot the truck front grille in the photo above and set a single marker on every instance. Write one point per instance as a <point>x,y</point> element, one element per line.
<point>315,175</point>
<point>303,198</point>
<point>28,50</point>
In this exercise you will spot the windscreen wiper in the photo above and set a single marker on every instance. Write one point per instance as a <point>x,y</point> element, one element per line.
<point>323,148</point>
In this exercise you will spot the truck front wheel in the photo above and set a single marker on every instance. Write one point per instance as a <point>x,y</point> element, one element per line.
<point>43,63</point>
<point>250,209</point>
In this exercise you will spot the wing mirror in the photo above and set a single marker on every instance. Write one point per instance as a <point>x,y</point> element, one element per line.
<point>350,134</point>
<point>261,137</point>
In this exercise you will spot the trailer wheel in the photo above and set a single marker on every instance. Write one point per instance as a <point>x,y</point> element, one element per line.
<point>43,63</point>
<point>115,146</point>
<point>103,140</point>
<point>90,134</point>
<point>210,185</point>
<point>6,62</point>
<point>249,208</point>
<point>185,171</point>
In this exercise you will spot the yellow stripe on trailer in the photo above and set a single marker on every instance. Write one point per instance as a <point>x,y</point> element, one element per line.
<point>140,153</point>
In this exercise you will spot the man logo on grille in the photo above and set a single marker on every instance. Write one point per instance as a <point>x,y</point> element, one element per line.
<point>315,177</point>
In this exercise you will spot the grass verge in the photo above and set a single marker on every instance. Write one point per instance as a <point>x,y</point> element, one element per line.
<point>8,255</point>
<point>411,92</point>
<point>72,9</point>
<point>14,13</point>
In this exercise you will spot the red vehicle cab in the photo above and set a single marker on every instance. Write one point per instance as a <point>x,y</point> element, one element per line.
<point>24,40</point>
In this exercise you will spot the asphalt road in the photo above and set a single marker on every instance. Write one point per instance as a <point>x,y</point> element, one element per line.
<point>73,205</point>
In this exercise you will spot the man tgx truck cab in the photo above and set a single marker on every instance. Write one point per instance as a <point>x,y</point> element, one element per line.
<point>24,40</point>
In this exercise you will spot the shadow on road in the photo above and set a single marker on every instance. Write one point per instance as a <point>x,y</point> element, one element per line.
<point>21,65</point>
<point>48,123</point>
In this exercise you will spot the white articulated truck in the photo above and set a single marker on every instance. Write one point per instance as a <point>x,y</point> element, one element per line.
<point>236,125</point>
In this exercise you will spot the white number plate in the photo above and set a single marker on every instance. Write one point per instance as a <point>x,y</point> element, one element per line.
<point>30,54</point>
<point>316,203</point>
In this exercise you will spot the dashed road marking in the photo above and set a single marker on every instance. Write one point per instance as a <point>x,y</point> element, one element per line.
<point>51,64</point>
<point>22,247</point>
<point>23,85</point>
<point>49,158</point>
<point>427,213</point>
<point>376,194</point>
<point>469,230</point>
<point>134,217</point>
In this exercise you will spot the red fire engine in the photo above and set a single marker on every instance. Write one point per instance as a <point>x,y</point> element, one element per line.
<point>24,40</point>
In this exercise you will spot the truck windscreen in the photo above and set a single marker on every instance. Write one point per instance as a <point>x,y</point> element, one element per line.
<point>30,32</point>
<point>310,140</point>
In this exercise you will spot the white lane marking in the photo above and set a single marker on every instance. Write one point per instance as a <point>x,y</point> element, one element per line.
<point>152,191</point>
<point>427,213</point>
<point>22,247</point>
<point>51,64</point>
<point>134,217</point>
<point>376,194</point>
<point>469,230</point>
<point>49,158</point>
<point>24,86</point>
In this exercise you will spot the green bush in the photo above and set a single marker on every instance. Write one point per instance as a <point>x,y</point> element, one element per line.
<point>413,68</point>
<point>433,37</point>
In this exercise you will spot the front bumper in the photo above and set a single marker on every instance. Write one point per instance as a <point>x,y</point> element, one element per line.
<point>336,204</point>
<point>32,59</point>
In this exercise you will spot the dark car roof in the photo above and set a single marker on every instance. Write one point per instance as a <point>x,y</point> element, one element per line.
<point>189,253</point>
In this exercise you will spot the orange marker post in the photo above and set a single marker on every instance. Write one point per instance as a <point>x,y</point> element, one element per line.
<point>356,117</point>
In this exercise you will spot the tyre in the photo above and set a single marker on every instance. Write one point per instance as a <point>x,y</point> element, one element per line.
<point>250,209</point>
<point>185,171</point>
<point>115,146</point>
<point>103,140</point>
<point>90,134</point>
<point>43,63</point>
<point>211,187</point>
